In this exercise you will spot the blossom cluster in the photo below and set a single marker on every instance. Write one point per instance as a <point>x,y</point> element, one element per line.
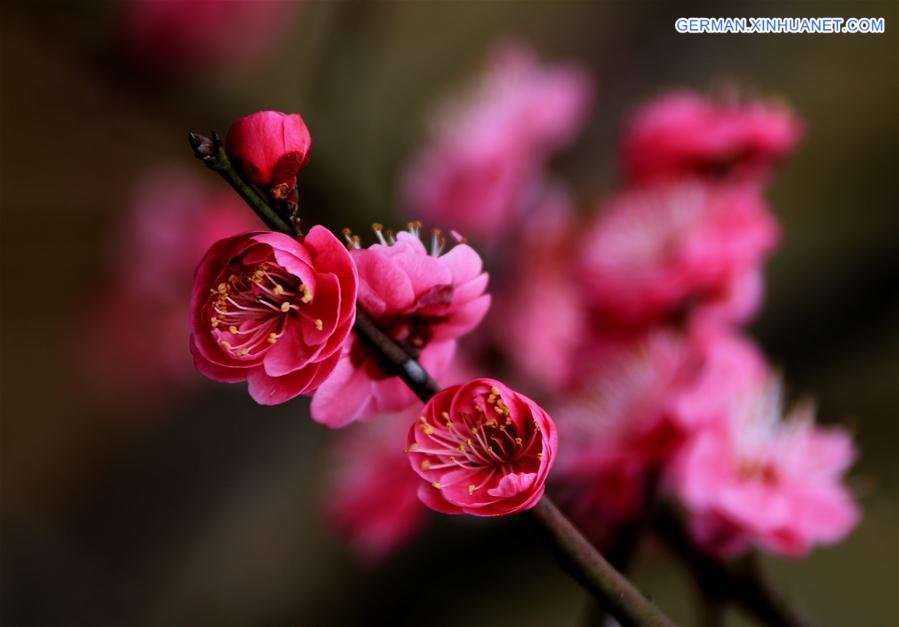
<point>625,320</point>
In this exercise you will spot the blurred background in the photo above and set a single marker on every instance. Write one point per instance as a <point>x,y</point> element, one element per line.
<point>174,501</point>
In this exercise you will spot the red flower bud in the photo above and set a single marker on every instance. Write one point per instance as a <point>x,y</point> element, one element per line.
<point>269,147</point>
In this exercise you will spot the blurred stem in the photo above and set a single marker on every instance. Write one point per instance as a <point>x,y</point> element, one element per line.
<point>613,591</point>
<point>629,535</point>
<point>741,583</point>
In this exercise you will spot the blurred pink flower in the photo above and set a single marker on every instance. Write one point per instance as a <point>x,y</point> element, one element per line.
<point>540,308</point>
<point>683,134</point>
<point>730,361</point>
<point>273,310</point>
<point>754,479</point>
<point>186,35</point>
<point>481,449</point>
<point>372,500</point>
<point>269,147</point>
<point>486,150</point>
<point>622,424</point>
<point>658,252</point>
<point>424,301</point>
<point>132,339</point>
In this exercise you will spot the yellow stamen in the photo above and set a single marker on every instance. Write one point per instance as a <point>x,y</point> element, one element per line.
<point>285,306</point>
<point>319,324</point>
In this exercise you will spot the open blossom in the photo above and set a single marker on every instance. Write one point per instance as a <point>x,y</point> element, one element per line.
<point>269,147</point>
<point>274,311</point>
<point>372,499</point>
<point>482,449</point>
<point>133,341</point>
<point>487,148</point>
<point>204,34</point>
<point>756,479</point>
<point>622,424</point>
<point>685,134</point>
<point>657,252</point>
<point>424,301</point>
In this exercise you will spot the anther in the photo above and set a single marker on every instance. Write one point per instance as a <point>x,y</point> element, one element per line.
<point>232,330</point>
<point>279,290</point>
<point>319,324</point>
<point>285,306</point>
<point>437,485</point>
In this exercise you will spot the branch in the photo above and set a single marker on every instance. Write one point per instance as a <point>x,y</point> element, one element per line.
<point>621,599</point>
<point>613,591</point>
<point>210,151</point>
<point>744,584</point>
<point>396,357</point>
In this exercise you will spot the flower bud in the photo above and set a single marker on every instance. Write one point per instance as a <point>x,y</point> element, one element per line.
<point>269,147</point>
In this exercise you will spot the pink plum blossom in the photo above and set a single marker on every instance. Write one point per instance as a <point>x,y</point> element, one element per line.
<point>622,425</point>
<point>658,252</point>
<point>133,340</point>
<point>425,301</point>
<point>273,310</point>
<point>372,500</point>
<point>683,134</point>
<point>754,478</point>
<point>487,147</point>
<point>481,448</point>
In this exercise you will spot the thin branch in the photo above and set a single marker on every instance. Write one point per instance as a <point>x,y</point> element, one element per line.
<point>407,367</point>
<point>211,152</point>
<point>613,591</point>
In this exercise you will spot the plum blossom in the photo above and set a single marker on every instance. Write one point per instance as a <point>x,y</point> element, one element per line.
<point>425,300</point>
<point>481,448</point>
<point>372,498</point>
<point>622,424</point>
<point>757,479</point>
<point>274,311</point>
<point>684,134</point>
<point>486,149</point>
<point>660,251</point>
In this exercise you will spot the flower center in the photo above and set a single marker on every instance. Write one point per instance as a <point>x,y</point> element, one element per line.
<point>757,470</point>
<point>487,439</point>
<point>248,312</point>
